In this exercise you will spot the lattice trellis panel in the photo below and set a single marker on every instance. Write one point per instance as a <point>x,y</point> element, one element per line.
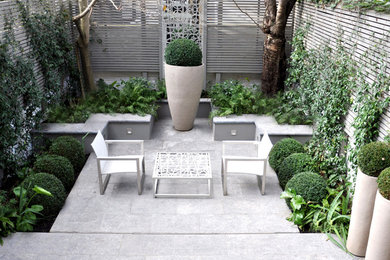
<point>182,19</point>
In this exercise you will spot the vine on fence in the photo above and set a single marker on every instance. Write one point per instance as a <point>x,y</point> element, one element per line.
<point>49,37</point>
<point>320,82</point>
<point>20,100</point>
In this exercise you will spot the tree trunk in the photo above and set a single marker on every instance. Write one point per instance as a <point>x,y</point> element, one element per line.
<point>86,65</point>
<point>274,65</point>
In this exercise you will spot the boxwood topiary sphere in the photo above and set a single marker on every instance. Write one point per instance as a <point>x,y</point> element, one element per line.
<point>57,165</point>
<point>282,149</point>
<point>183,52</point>
<point>51,204</point>
<point>373,158</point>
<point>311,186</point>
<point>384,183</point>
<point>293,164</point>
<point>69,148</point>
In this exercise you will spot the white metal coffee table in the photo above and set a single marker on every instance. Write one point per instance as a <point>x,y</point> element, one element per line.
<point>182,165</point>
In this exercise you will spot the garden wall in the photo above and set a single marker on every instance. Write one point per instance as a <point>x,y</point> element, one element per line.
<point>364,30</point>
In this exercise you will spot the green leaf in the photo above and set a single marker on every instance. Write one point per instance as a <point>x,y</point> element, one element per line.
<point>40,190</point>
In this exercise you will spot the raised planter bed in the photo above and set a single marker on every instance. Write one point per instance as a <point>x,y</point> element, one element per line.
<point>250,127</point>
<point>203,109</point>
<point>113,127</point>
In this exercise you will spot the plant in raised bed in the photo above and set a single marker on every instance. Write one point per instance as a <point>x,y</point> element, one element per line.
<point>293,164</point>
<point>51,204</point>
<point>57,165</point>
<point>70,148</point>
<point>282,149</point>
<point>184,77</point>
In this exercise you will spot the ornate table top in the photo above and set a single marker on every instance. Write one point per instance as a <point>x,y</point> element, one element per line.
<point>191,165</point>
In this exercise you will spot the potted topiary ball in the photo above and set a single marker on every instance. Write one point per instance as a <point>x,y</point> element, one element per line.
<point>184,78</point>
<point>379,240</point>
<point>372,159</point>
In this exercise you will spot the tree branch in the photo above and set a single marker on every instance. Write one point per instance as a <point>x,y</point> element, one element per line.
<point>116,7</point>
<point>269,16</point>
<point>85,11</point>
<point>246,13</point>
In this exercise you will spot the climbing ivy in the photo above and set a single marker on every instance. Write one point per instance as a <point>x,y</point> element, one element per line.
<point>49,37</point>
<point>20,100</point>
<point>382,6</point>
<point>320,82</point>
<point>373,84</point>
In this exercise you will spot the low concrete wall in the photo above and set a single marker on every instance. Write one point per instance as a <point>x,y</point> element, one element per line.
<point>252,127</point>
<point>112,126</point>
<point>203,109</point>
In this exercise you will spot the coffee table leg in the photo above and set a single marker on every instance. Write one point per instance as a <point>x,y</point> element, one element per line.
<point>155,188</point>
<point>210,184</point>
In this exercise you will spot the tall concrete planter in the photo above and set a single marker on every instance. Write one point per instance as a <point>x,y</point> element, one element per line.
<point>362,210</point>
<point>379,240</point>
<point>184,87</point>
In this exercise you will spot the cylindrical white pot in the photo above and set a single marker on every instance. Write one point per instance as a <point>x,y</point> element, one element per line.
<point>379,241</point>
<point>362,209</point>
<point>184,87</point>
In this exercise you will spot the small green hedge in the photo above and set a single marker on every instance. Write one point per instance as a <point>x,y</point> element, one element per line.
<point>384,183</point>
<point>282,149</point>
<point>293,164</point>
<point>311,186</point>
<point>373,158</point>
<point>183,52</point>
<point>71,149</point>
<point>57,165</point>
<point>51,204</point>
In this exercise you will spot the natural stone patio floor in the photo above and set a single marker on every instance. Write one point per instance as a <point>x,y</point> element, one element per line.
<point>124,225</point>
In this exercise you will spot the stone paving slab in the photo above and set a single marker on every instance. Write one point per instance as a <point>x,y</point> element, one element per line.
<point>160,246</point>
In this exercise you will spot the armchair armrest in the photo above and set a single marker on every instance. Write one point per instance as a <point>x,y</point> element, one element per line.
<point>243,159</point>
<point>121,158</point>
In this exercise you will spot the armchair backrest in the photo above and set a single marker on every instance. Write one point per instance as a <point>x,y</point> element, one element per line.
<point>264,147</point>
<point>99,146</point>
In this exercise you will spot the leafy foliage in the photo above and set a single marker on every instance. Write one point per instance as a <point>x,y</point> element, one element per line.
<point>136,95</point>
<point>51,204</point>
<point>311,186</point>
<point>281,150</point>
<point>293,164</point>
<point>50,39</point>
<point>183,52</point>
<point>384,183</point>
<point>20,101</point>
<point>58,166</point>
<point>70,148</point>
<point>359,5</point>
<point>320,82</point>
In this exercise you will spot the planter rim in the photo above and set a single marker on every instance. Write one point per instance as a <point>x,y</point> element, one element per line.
<point>383,198</point>
<point>183,66</point>
<point>369,176</point>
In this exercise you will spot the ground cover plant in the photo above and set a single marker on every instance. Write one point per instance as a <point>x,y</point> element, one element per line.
<point>135,96</point>
<point>233,97</point>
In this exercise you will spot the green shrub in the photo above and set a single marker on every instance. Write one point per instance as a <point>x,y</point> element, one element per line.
<point>384,183</point>
<point>293,164</point>
<point>282,149</point>
<point>69,148</point>
<point>51,204</point>
<point>183,52</point>
<point>57,165</point>
<point>311,186</point>
<point>373,158</point>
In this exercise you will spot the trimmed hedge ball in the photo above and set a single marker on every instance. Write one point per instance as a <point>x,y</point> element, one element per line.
<point>293,164</point>
<point>183,52</point>
<point>373,158</point>
<point>51,204</point>
<point>70,148</point>
<point>57,165</point>
<point>311,186</point>
<point>282,149</point>
<point>384,183</point>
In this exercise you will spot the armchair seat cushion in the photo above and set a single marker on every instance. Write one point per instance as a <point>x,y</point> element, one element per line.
<point>249,167</point>
<point>121,166</point>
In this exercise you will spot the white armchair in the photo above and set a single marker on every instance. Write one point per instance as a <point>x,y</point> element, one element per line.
<point>255,165</point>
<point>108,165</point>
